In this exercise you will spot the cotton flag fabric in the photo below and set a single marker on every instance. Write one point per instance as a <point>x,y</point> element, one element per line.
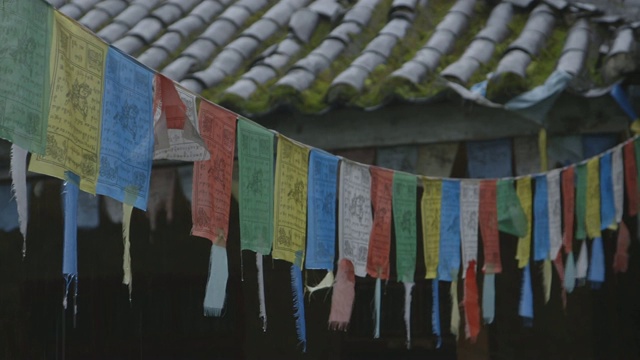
<point>488,218</point>
<point>211,204</point>
<point>431,205</point>
<point>541,220</point>
<point>581,202</point>
<point>618,182</point>
<point>126,151</point>
<point>593,199</point>
<point>176,126</point>
<point>489,158</point>
<point>380,240</point>
<point>20,191</point>
<point>631,178</point>
<point>77,75</point>
<point>524,242</point>
<point>469,206</point>
<point>512,218</point>
<point>255,162</point>
<point>568,211</point>
<point>607,202</point>
<point>70,251</point>
<point>555,213</point>
<point>25,89</point>
<point>449,263</point>
<point>290,201</point>
<point>322,195</point>
<point>404,217</point>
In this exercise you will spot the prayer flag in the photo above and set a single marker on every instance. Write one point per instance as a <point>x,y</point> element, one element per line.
<point>431,208</point>
<point>524,242</point>
<point>380,240</point>
<point>404,217</point>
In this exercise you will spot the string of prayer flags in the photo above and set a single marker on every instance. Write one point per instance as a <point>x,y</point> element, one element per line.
<point>161,196</point>
<point>380,240</point>
<point>511,216</point>
<point>19,187</point>
<point>582,264</point>
<point>354,228</point>
<point>290,201</point>
<point>255,163</point>
<point>596,268</point>
<point>431,208</point>
<point>524,242</point>
<point>541,220</point>
<point>77,75</point>
<point>525,309</point>
<point>568,213</point>
<point>618,182</point>
<point>488,218</point>
<point>631,178</point>
<point>176,127</point>
<point>607,203</point>
<point>212,181</point>
<point>70,250</point>
<point>126,143</point>
<point>581,202</point>
<point>322,192</point>
<point>621,257</point>
<point>593,199</point>
<point>555,213</point>
<point>449,263</point>
<point>25,90</point>
<point>404,217</point>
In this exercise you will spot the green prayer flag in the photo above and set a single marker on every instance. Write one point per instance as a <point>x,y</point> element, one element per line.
<point>26,29</point>
<point>581,202</point>
<point>255,159</point>
<point>511,217</point>
<point>404,217</point>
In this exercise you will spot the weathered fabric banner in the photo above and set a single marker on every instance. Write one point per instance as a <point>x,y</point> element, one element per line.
<point>212,178</point>
<point>621,257</point>
<point>255,162</point>
<point>471,307</point>
<point>431,208</point>
<point>581,203</point>
<point>541,220</point>
<point>404,217</point>
<point>290,201</point>
<point>525,309</point>
<point>489,227</point>
<point>469,206</point>
<point>631,178</point>
<point>344,292</point>
<point>555,213</point>
<point>596,268</point>
<point>607,202</point>
<point>568,203</point>
<point>618,182</point>
<point>449,263</point>
<point>524,242</point>
<point>176,127</point>
<point>593,199</point>
<point>77,75</point>
<point>322,195</point>
<point>582,265</point>
<point>511,216</point>
<point>126,144</point>
<point>380,240</point>
<point>436,159</point>
<point>20,190</point>
<point>25,65</point>
<point>354,215</point>
<point>70,253</point>
<point>401,158</point>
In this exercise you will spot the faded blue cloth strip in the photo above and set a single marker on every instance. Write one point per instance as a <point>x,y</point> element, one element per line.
<point>536,103</point>
<point>321,212</point>
<point>70,250</point>
<point>8,210</point>
<point>618,94</point>
<point>480,88</point>
<point>570,274</point>
<point>298,305</point>
<point>449,263</point>
<point>593,145</point>
<point>541,242</point>
<point>525,309</point>
<point>607,204</point>
<point>88,211</point>
<point>378,304</point>
<point>489,298</point>
<point>489,159</point>
<point>435,312</point>
<point>596,265</point>
<point>126,144</point>
<point>216,290</point>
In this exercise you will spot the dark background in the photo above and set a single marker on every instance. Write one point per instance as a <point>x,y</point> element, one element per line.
<point>165,319</point>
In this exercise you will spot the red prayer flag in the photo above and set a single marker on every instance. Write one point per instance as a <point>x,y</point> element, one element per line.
<point>631,178</point>
<point>471,307</point>
<point>489,227</point>
<point>167,96</point>
<point>212,178</point>
<point>621,257</point>
<point>568,204</point>
<point>380,238</point>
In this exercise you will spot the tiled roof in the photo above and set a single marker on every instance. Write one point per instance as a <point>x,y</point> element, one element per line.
<point>257,55</point>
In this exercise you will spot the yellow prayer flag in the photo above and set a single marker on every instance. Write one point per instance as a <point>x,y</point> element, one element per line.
<point>430,206</point>
<point>593,198</point>
<point>77,75</point>
<point>523,189</point>
<point>290,201</point>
